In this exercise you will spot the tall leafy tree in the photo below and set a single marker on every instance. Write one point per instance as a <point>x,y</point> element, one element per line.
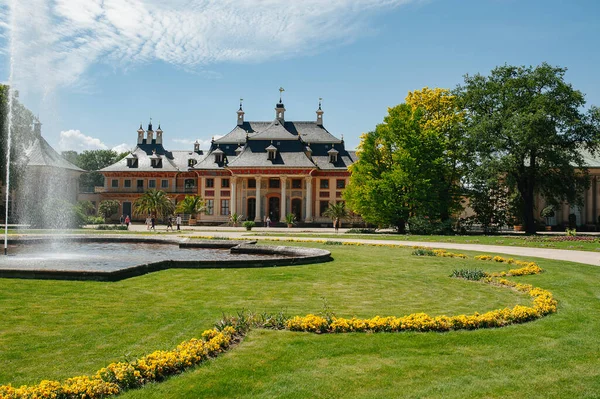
<point>155,202</point>
<point>92,161</point>
<point>526,126</point>
<point>400,170</point>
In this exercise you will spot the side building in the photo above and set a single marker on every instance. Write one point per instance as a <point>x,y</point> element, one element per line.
<point>259,170</point>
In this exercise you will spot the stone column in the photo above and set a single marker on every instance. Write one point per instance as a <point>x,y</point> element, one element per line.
<point>309,217</point>
<point>283,199</point>
<point>232,182</point>
<point>258,217</point>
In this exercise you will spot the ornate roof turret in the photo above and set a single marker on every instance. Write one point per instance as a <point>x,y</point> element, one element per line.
<point>240,114</point>
<point>320,114</point>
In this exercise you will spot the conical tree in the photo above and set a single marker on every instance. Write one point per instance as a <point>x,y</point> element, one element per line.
<point>154,202</point>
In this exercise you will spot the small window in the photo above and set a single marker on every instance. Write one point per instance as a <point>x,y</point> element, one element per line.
<point>323,205</point>
<point>296,183</point>
<point>225,207</point>
<point>324,183</point>
<point>164,184</point>
<point>114,183</point>
<point>272,155</point>
<point>210,206</point>
<point>332,158</point>
<point>210,183</point>
<point>132,163</point>
<point>127,183</point>
<point>251,183</point>
<point>191,162</point>
<point>274,183</point>
<point>340,183</point>
<point>224,183</point>
<point>152,183</point>
<point>157,163</point>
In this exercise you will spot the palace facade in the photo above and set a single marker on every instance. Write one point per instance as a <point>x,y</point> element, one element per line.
<point>258,169</point>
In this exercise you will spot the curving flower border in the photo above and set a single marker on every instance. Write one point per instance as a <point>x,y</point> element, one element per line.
<point>119,377</point>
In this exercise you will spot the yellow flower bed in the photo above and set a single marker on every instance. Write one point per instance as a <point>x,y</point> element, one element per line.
<point>118,377</point>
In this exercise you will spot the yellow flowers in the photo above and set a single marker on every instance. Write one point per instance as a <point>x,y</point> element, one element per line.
<point>118,377</point>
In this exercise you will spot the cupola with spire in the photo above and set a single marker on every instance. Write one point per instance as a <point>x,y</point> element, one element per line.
<point>240,114</point>
<point>159,133</point>
<point>150,133</point>
<point>140,133</point>
<point>280,108</point>
<point>320,114</point>
<point>37,127</point>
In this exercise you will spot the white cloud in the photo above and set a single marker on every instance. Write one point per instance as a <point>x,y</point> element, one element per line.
<point>55,41</point>
<point>77,141</point>
<point>122,148</point>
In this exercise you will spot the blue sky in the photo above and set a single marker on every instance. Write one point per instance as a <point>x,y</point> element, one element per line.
<point>94,69</point>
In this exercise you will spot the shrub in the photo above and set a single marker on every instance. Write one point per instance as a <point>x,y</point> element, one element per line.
<point>249,224</point>
<point>423,252</point>
<point>424,225</point>
<point>333,243</point>
<point>469,274</point>
<point>111,227</point>
<point>361,231</point>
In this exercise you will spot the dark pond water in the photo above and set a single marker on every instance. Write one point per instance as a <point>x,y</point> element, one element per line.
<point>105,256</point>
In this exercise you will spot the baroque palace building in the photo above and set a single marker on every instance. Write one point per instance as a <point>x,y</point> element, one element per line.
<point>259,170</point>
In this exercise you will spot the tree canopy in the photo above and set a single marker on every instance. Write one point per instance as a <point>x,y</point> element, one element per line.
<point>155,202</point>
<point>92,161</point>
<point>410,165</point>
<point>527,128</point>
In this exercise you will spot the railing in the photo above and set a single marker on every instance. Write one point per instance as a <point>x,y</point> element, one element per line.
<point>120,190</point>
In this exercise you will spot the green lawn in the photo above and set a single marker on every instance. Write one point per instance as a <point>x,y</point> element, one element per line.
<point>59,329</point>
<point>538,241</point>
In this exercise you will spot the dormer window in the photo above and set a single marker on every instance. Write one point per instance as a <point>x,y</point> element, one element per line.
<point>333,155</point>
<point>191,162</point>
<point>132,161</point>
<point>272,152</point>
<point>155,160</point>
<point>218,155</point>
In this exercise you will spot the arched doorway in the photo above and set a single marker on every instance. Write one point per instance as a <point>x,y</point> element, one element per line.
<point>251,209</point>
<point>274,209</point>
<point>297,208</point>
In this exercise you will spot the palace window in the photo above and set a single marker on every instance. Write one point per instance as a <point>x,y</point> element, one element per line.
<point>132,162</point>
<point>164,184</point>
<point>324,183</point>
<point>251,183</point>
<point>296,183</point>
<point>210,206</point>
<point>210,183</point>
<point>340,183</point>
<point>225,207</point>
<point>323,205</point>
<point>151,183</point>
<point>274,183</point>
<point>127,183</point>
<point>114,183</point>
<point>191,162</point>
<point>224,183</point>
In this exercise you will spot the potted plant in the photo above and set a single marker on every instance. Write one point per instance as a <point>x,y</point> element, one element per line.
<point>235,219</point>
<point>191,205</point>
<point>547,213</point>
<point>249,224</point>
<point>290,219</point>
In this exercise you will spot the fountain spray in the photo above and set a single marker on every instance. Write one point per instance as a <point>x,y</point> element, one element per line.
<point>9,122</point>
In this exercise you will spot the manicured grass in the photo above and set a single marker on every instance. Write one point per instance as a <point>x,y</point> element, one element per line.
<point>537,241</point>
<point>55,330</point>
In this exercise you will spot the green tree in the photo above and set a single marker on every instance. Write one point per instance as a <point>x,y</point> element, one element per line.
<point>191,205</point>
<point>527,127</point>
<point>400,171</point>
<point>336,210</point>
<point>155,202</point>
<point>107,208</point>
<point>92,161</point>
<point>21,134</point>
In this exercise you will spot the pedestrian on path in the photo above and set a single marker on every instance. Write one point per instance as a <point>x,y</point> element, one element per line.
<point>178,222</point>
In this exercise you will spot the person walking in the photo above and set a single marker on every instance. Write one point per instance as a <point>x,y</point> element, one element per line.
<point>153,223</point>
<point>178,222</point>
<point>127,221</point>
<point>122,219</point>
<point>148,221</point>
<point>170,223</point>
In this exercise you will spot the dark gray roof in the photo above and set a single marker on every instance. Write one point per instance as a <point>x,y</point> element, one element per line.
<point>275,131</point>
<point>40,153</point>
<point>309,131</point>
<point>255,154</point>
<point>172,161</point>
